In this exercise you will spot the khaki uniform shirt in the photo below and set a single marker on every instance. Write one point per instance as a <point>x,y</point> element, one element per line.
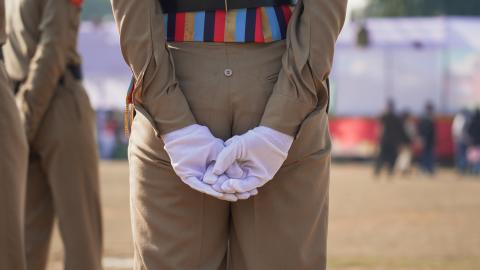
<point>301,87</point>
<point>41,43</point>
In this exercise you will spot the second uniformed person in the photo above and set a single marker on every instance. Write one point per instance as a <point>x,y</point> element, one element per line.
<point>41,58</point>
<point>13,170</point>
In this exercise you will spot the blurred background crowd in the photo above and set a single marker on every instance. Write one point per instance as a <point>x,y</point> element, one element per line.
<point>406,139</point>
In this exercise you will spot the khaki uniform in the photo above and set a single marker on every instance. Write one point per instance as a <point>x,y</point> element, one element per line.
<point>280,85</point>
<point>13,171</point>
<point>59,123</point>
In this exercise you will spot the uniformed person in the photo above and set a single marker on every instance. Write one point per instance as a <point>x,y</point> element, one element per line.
<point>13,170</point>
<point>62,182</point>
<point>252,73</point>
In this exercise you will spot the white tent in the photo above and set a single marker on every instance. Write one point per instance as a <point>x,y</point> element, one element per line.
<point>107,77</point>
<point>412,60</point>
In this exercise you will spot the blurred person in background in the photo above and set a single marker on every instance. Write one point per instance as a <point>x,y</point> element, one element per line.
<point>427,134</point>
<point>13,170</point>
<point>42,59</point>
<point>461,139</point>
<point>391,138</point>
<point>108,136</point>
<point>409,142</point>
<point>474,145</point>
<point>210,71</point>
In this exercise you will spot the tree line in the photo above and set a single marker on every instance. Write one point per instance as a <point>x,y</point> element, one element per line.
<point>95,9</point>
<point>411,8</point>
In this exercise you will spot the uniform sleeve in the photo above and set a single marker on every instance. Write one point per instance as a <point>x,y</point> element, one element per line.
<point>157,94</point>
<point>46,67</point>
<point>301,87</point>
<point>2,22</point>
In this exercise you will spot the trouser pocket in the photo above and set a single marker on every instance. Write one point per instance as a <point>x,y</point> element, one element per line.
<point>313,138</point>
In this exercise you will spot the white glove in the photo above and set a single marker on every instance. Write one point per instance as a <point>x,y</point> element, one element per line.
<point>217,182</point>
<point>260,152</point>
<point>191,150</point>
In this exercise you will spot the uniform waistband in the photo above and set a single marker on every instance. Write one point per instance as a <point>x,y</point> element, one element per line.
<point>259,25</point>
<point>170,6</point>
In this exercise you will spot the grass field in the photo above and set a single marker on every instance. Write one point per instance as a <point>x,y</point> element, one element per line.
<point>416,223</point>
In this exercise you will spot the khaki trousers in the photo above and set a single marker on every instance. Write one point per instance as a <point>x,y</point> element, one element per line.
<point>63,182</point>
<point>283,227</point>
<point>13,174</point>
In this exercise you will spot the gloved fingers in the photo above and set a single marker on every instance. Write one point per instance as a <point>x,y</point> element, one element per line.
<point>215,150</point>
<point>238,196</point>
<point>218,185</point>
<point>207,189</point>
<point>231,140</point>
<point>253,192</point>
<point>241,185</point>
<point>225,159</point>
<point>247,195</point>
<point>235,171</point>
<point>243,196</point>
<point>209,177</point>
<point>198,185</point>
<point>228,197</point>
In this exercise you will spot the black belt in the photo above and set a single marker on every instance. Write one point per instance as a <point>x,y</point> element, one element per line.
<point>204,5</point>
<point>75,70</point>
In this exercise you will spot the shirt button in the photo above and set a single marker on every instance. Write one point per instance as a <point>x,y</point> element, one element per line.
<point>228,72</point>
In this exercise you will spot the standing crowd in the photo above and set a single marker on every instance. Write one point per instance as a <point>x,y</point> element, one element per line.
<point>466,136</point>
<point>406,139</point>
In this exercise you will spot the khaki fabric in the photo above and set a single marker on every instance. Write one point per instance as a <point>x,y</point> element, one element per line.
<point>299,90</point>
<point>41,42</point>
<point>283,227</point>
<point>13,173</point>
<point>280,85</point>
<point>301,87</point>
<point>3,35</point>
<point>62,179</point>
<point>142,38</point>
<point>63,182</point>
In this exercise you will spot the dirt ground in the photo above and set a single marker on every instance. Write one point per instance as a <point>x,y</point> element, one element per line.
<point>414,223</point>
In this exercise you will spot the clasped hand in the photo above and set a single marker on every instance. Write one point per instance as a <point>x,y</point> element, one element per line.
<point>229,171</point>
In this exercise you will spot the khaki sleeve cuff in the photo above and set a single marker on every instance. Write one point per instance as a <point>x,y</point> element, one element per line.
<point>168,113</point>
<point>285,114</point>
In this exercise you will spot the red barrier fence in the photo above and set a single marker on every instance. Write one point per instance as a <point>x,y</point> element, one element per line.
<point>357,137</point>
